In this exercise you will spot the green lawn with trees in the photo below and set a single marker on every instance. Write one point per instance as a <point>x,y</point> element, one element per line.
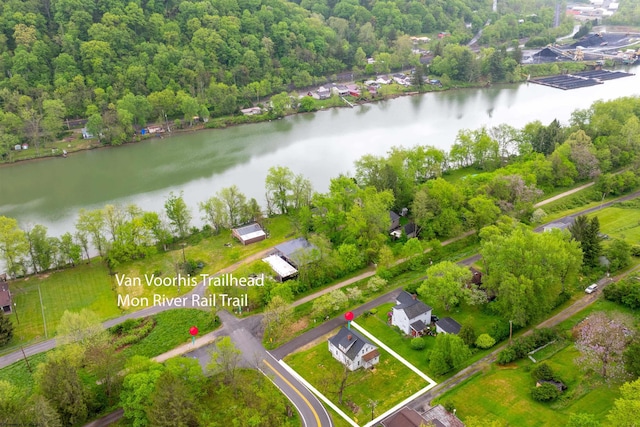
<point>588,393</point>
<point>388,384</point>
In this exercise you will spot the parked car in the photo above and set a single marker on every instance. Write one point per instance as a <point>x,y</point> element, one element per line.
<point>434,318</point>
<point>591,288</point>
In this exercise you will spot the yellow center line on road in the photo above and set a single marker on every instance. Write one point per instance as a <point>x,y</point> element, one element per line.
<point>315,414</point>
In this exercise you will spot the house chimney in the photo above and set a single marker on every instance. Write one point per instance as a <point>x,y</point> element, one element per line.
<point>349,337</point>
<point>414,296</point>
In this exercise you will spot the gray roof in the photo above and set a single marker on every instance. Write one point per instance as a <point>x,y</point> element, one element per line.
<point>449,325</point>
<point>418,325</point>
<point>394,216</point>
<point>248,229</point>
<point>295,249</point>
<point>5,296</point>
<point>412,307</point>
<point>353,345</point>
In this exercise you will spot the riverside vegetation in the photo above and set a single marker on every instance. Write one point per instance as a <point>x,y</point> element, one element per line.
<point>349,225</point>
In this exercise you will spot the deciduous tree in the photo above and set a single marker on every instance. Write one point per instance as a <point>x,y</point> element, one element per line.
<point>446,283</point>
<point>601,341</point>
<point>178,214</point>
<point>13,244</point>
<point>625,409</point>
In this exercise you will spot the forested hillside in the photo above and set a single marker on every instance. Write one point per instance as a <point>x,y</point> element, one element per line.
<point>122,63</point>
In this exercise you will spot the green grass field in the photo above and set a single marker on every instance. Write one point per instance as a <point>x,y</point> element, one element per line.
<point>211,251</point>
<point>382,384</point>
<point>621,223</point>
<point>171,330</point>
<point>90,285</point>
<point>85,286</point>
<point>503,392</point>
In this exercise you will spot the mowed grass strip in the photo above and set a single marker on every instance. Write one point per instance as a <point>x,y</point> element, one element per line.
<point>621,223</point>
<point>84,286</point>
<point>387,385</point>
<point>172,330</point>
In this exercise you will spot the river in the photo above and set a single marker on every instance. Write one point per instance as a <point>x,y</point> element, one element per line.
<point>319,145</point>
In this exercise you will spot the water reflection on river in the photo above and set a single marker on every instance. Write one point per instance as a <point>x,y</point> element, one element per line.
<point>320,146</point>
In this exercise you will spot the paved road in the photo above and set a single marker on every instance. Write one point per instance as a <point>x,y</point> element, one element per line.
<point>243,333</point>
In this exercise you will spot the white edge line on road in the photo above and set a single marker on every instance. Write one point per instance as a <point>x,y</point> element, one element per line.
<point>422,375</point>
<point>304,422</point>
<point>399,405</point>
<point>317,393</point>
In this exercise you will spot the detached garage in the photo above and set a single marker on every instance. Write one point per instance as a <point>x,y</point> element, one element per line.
<point>249,233</point>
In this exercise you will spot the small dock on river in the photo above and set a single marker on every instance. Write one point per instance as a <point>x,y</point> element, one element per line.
<point>578,80</point>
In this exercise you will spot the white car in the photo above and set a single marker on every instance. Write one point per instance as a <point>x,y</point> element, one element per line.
<point>592,288</point>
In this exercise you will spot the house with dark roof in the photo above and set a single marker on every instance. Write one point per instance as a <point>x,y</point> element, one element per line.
<point>5,295</point>
<point>447,325</point>
<point>436,416</point>
<point>407,417</point>
<point>297,252</point>
<point>395,221</point>
<point>249,233</point>
<point>353,350</point>
<point>410,314</point>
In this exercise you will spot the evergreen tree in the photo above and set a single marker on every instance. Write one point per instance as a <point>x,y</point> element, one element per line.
<point>6,329</point>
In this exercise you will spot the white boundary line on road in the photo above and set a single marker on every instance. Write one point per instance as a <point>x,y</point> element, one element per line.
<point>402,360</point>
<point>421,374</point>
<point>322,397</point>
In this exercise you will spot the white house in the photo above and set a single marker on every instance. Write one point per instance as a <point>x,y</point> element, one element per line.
<point>353,350</point>
<point>410,314</point>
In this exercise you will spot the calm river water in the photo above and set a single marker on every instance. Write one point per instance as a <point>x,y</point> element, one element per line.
<point>320,145</point>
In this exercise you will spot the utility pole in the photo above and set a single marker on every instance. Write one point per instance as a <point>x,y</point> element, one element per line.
<point>510,330</point>
<point>15,308</point>
<point>26,360</point>
<point>44,320</point>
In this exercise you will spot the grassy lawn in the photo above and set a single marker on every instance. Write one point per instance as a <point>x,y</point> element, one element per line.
<point>509,398</point>
<point>388,384</point>
<point>85,286</point>
<point>90,285</point>
<point>211,251</point>
<point>620,222</point>
<point>171,330</point>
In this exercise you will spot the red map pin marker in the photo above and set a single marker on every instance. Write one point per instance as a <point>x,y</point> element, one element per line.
<point>349,316</point>
<point>193,331</point>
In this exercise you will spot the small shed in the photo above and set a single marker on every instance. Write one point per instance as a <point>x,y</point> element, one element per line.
<point>447,325</point>
<point>5,295</point>
<point>249,233</point>
<point>296,252</point>
<point>282,268</point>
<point>323,93</point>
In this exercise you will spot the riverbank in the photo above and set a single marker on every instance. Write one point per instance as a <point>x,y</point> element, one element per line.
<point>74,143</point>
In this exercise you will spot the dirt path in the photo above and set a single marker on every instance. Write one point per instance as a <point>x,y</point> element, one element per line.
<point>561,195</point>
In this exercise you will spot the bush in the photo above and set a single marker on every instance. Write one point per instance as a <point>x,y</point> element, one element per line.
<point>507,355</point>
<point>625,292</point>
<point>543,372</point>
<point>418,343</point>
<point>500,330</point>
<point>523,345</point>
<point>545,393</point>
<point>635,250</point>
<point>485,341</point>
<point>468,335</point>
